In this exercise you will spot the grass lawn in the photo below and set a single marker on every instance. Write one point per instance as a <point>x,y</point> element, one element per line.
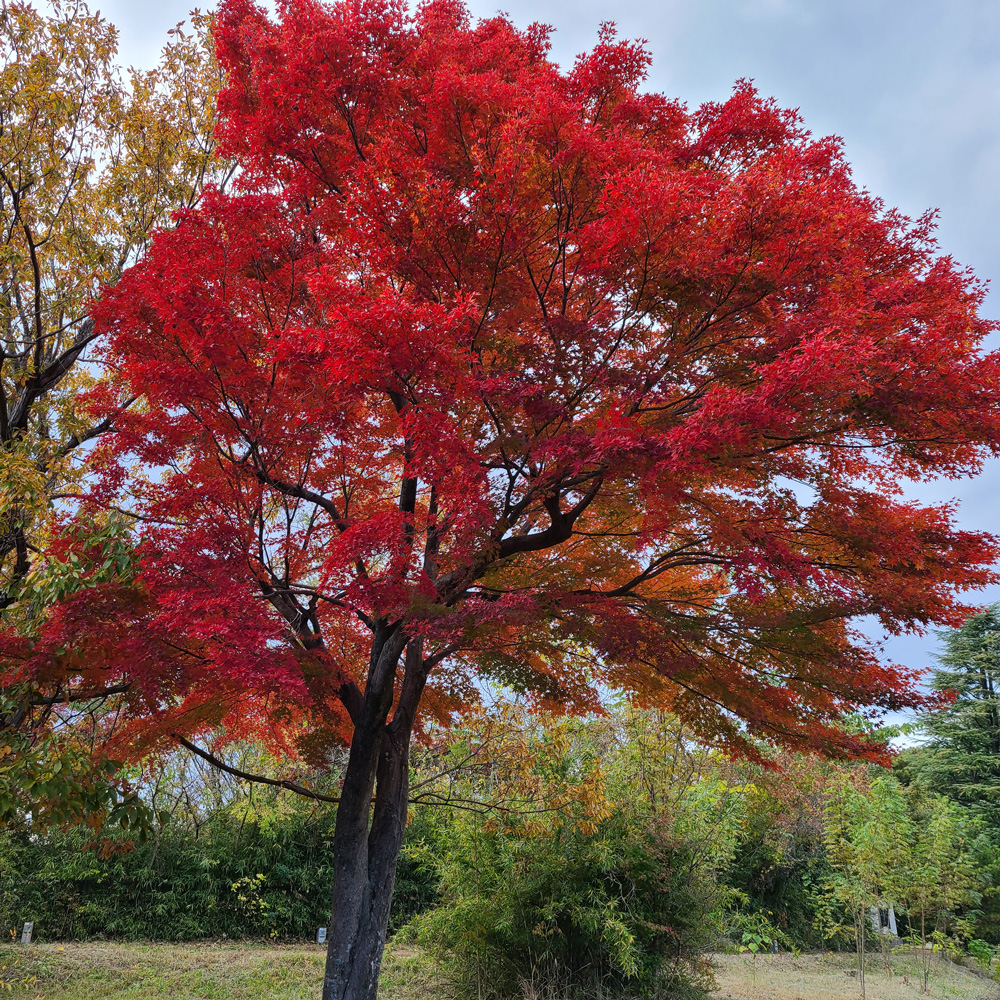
<point>106,971</point>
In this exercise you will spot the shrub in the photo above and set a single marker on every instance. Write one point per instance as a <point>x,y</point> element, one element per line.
<point>603,896</point>
<point>242,871</point>
<point>623,910</point>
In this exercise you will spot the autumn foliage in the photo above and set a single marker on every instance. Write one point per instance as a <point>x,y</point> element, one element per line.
<point>573,387</point>
<point>92,160</point>
<point>490,371</point>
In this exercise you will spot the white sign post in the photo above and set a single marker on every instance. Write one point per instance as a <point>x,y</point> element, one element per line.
<point>29,926</point>
<point>321,935</point>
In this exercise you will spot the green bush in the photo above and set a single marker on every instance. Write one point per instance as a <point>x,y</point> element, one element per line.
<point>597,897</point>
<point>241,873</point>
<point>779,862</point>
<point>622,911</point>
<point>232,879</point>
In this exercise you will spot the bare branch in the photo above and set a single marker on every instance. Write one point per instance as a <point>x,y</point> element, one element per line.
<point>291,786</point>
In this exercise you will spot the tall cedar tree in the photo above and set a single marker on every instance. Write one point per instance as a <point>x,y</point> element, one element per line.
<point>961,758</point>
<point>492,369</point>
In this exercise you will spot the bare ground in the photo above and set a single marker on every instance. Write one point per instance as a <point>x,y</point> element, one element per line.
<point>834,976</point>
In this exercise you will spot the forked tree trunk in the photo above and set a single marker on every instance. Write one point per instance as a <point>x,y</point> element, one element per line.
<point>367,842</point>
<point>364,876</point>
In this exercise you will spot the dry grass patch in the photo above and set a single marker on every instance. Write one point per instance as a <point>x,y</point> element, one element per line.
<point>834,977</point>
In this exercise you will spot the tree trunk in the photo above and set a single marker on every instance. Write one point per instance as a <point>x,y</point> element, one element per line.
<point>365,855</point>
<point>924,961</point>
<point>862,921</point>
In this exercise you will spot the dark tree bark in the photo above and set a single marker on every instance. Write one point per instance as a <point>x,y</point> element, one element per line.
<point>368,835</point>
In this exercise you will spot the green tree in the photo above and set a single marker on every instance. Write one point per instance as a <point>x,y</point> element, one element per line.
<point>867,827</point>
<point>961,758</point>
<point>936,869</point>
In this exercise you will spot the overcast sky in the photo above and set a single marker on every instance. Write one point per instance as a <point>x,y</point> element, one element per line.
<point>912,86</point>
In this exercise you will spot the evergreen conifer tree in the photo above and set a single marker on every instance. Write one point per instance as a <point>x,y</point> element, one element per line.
<point>961,758</point>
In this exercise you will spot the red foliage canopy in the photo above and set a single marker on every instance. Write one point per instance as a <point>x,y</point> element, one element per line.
<point>569,386</point>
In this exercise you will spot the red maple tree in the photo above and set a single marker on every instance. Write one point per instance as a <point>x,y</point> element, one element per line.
<point>495,369</point>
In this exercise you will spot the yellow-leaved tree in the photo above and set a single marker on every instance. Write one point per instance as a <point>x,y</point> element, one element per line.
<point>92,160</point>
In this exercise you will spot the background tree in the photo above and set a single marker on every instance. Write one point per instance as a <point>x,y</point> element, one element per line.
<point>961,755</point>
<point>935,868</point>
<point>599,854</point>
<point>90,164</point>
<point>867,827</point>
<point>495,370</point>
<point>959,758</point>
